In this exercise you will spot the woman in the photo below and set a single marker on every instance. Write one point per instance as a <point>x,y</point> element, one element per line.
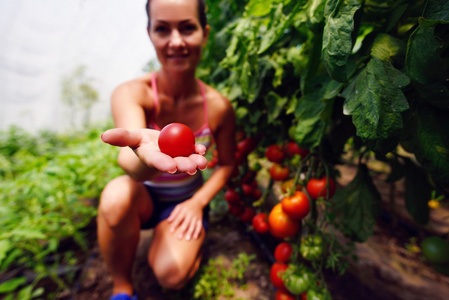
<point>147,197</point>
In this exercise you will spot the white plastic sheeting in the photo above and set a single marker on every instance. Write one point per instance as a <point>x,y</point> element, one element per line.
<point>41,41</point>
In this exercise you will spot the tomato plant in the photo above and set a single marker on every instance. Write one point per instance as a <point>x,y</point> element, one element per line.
<point>339,109</point>
<point>176,139</point>
<point>296,206</point>
<point>283,252</point>
<point>276,272</point>
<point>279,172</point>
<point>317,187</point>
<point>260,223</point>
<point>274,153</point>
<point>280,224</point>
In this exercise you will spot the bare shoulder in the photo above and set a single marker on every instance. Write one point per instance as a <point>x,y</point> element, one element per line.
<point>218,103</point>
<point>220,109</point>
<point>137,90</point>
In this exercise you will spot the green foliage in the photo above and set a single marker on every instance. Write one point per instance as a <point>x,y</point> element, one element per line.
<point>44,181</point>
<point>325,72</point>
<point>217,278</point>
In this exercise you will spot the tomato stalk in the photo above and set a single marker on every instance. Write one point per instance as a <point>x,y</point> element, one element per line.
<point>262,199</point>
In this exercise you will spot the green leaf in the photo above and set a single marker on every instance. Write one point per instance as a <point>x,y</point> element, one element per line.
<point>5,245</point>
<point>275,105</point>
<point>385,47</point>
<point>257,8</point>
<point>12,284</point>
<point>310,127</point>
<point>437,10</point>
<point>426,68</point>
<point>337,36</point>
<point>277,27</point>
<point>28,233</point>
<point>357,206</point>
<point>375,101</point>
<point>431,143</point>
<point>417,192</point>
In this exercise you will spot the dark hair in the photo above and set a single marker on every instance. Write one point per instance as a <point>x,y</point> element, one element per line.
<point>201,12</point>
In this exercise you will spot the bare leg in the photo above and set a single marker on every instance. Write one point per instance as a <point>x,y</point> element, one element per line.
<point>124,205</point>
<point>174,261</point>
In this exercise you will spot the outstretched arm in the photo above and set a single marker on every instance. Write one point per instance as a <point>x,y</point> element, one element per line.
<point>143,142</point>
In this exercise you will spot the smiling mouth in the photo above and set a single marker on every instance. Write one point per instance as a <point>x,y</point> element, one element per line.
<point>177,56</point>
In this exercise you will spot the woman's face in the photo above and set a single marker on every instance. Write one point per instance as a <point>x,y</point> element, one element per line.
<point>176,33</point>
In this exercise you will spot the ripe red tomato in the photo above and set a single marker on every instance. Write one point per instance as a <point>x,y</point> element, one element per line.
<point>247,145</point>
<point>213,162</point>
<point>291,148</point>
<point>232,197</point>
<point>260,223</point>
<point>247,189</point>
<point>283,252</point>
<point>276,271</point>
<point>317,187</point>
<point>296,206</point>
<point>247,214</point>
<point>239,158</point>
<point>279,172</point>
<point>280,224</point>
<point>274,153</point>
<point>284,295</point>
<point>176,139</point>
<point>236,209</point>
<point>256,194</point>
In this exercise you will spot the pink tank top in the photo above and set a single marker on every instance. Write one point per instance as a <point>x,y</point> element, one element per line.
<point>180,186</point>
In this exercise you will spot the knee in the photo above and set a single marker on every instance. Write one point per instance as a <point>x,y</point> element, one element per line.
<point>116,200</point>
<point>170,276</point>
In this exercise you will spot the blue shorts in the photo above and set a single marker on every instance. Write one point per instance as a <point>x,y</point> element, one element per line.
<point>162,210</point>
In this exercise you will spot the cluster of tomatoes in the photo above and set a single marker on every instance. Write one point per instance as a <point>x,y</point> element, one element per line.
<point>283,219</point>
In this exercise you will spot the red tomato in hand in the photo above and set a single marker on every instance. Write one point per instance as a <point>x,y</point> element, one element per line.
<point>260,223</point>
<point>274,153</point>
<point>279,172</point>
<point>296,206</point>
<point>276,272</point>
<point>317,187</point>
<point>176,139</point>
<point>283,252</point>
<point>284,295</point>
<point>280,224</point>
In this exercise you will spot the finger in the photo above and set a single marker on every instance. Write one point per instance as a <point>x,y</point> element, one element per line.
<point>184,227</point>
<point>158,160</point>
<point>185,164</point>
<point>198,228</point>
<point>190,230</point>
<point>175,219</point>
<point>122,137</point>
<point>200,149</point>
<point>199,160</point>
